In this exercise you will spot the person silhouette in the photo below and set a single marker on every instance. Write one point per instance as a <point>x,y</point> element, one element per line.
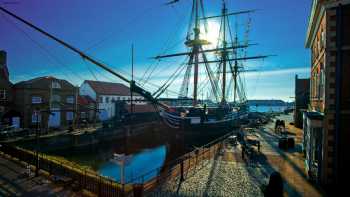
<point>275,186</point>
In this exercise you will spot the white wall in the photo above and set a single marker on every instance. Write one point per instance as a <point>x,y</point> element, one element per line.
<point>107,110</point>
<point>86,90</point>
<point>109,106</point>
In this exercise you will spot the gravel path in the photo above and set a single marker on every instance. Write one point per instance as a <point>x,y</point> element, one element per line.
<point>218,178</point>
<point>229,175</point>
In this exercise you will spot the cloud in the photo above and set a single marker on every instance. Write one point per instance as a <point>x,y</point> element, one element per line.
<point>278,72</point>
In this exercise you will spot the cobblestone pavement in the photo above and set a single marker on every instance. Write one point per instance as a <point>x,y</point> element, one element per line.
<point>14,182</point>
<point>217,178</point>
<point>229,175</point>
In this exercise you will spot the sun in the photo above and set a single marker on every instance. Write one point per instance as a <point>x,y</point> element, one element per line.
<point>212,34</point>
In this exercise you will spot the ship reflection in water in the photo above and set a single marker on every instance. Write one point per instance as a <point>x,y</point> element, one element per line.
<point>142,154</point>
<point>136,165</point>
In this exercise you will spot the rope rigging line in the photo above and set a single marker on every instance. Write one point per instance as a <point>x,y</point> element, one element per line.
<point>190,24</point>
<point>167,86</point>
<point>257,79</point>
<point>204,85</point>
<point>128,23</point>
<point>186,81</point>
<point>91,72</point>
<point>152,73</point>
<point>247,33</point>
<point>203,16</point>
<point>220,31</point>
<point>166,47</point>
<point>215,87</point>
<point>43,49</point>
<point>136,77</point>
<point>229,87</point>
<point>178,70</point>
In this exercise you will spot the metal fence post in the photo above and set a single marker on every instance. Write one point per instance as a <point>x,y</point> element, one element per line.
<point>182,170</point>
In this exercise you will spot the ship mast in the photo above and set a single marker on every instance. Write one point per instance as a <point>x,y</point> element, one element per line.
<point>224,54</point>
<point>196,44</point>
<point>196,54</point>
<point>235,72</point>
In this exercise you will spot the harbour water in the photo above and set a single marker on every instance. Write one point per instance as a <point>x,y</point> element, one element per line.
<point>135,165</point>
<point>142,156</point>
<point>265,108</point>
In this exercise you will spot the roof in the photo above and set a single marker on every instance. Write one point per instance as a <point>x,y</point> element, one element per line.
<point>40,82</point>
<point>109,88</point>
<point>311,23</point>
<point>4,72</point>
<point>318,9</point>
<point>85,100</point>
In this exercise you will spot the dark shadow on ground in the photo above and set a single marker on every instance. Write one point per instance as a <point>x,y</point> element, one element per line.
<point>7,182</point>
<point>265,134</point>
<point>212,171</point>
<point>262,161</point>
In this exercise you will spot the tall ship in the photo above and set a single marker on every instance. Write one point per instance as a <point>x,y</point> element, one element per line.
<point>226,104</point>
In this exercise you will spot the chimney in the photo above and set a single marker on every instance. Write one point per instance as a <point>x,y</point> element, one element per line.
<point>3,65</point>
<point>2,59</point>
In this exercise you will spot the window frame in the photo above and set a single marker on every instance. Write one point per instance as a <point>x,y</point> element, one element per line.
<point>3,94</point>
<point>70,99</point>
<point>36,102</point>
<point>71,116</point>
<point>56,85</point>
<point>34,117</point>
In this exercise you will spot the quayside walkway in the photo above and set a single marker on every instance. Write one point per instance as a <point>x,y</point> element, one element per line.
<point>227,174</point>
<point>15,181</point>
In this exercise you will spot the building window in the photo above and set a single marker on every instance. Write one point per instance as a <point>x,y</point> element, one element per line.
<point>56,98</point>
<point>56,85</point>
<point>322,84</point>
<point>3,95</point>
<point>70,99</point>
<point>69,116</point>
<point>101,99</point>
<point>107,99</point>
<point>36,117</point>
<point>83,115</point>
<point>36,99</point>
<point>323,39</point>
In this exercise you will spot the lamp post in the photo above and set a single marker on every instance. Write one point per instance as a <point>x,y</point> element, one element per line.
<point>37,134</point>
<point>37,144</point>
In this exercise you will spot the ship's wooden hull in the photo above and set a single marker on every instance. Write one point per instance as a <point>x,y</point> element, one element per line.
<point>197,130</point>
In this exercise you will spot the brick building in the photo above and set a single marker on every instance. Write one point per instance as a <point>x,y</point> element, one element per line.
<point>54,98</point>
<point>329,111</point>
<point>302,92</point>
<point>7,117</point>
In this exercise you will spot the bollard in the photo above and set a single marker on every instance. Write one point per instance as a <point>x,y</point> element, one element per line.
<point>182,171</point>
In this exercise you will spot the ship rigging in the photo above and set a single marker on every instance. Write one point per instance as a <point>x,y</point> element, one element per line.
<point>223,115</point>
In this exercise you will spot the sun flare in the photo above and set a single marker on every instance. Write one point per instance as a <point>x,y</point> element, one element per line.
<point>212,34</point>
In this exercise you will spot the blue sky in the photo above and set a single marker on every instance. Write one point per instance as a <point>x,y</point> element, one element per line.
<point>105,29</point>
